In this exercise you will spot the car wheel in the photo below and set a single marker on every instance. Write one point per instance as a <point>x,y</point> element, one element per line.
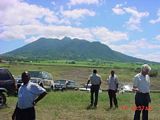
<point>62,89</point>
<point>52,88</point>
<point>41,84</point>
<point>2,99</point>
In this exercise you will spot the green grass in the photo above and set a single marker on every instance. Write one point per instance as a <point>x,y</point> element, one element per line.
<point>72,105</point>
<point>89,63</point>
<point>80,71</point>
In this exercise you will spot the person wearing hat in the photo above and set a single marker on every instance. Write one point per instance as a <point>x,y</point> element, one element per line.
<point>28,95</point>
<point>141,85</point>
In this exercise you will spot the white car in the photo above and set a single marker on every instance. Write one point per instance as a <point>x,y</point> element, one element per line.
<point>88,88</point>
<point>126,88</point>
<point>42,78</point>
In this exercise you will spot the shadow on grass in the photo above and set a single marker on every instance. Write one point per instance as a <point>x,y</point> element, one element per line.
<point>109,108</point>
<point>90,107</point>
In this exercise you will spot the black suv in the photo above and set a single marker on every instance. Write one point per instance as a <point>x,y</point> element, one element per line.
<point>7,81</point>
<point>60,85</point>
<point>65,84</point>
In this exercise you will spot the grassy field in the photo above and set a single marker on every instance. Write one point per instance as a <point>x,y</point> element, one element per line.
<point>72,105</point>
<point>80,71</point>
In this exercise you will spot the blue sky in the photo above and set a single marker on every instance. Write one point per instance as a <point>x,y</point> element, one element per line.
<point>128,26</point>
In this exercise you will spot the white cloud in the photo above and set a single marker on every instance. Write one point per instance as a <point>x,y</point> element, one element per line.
<point>32,21</point>
<point>118,10</point>
<point>135,20</point>
<point>30,31</point>
<point>78,13</point>
<point>143,44</point>
<point>43,31</point>
<point>128,49</point>
<point>138,49</point>
<point>5,4</point>
<point>32,39</point>
<point>106,36</point>
<point>156,20</point>
<point>12,33</point>
<point>78,2</point>
<point>136,45</point>
<point>153,56</point>
<point>157,37</point>
<point>24,13</point>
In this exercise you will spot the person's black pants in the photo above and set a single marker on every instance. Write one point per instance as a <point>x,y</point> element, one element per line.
<point>94,91</point>
<point>142,101</point>
<point>112,98</point>
<point>25,114</point>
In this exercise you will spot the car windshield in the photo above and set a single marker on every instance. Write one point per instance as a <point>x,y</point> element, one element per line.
<point>71,83</point>
<point>4,75</point>
<point>35,74</point>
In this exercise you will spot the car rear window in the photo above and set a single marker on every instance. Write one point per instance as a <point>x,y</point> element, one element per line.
<point>4,75</point>
<point>60,81</point>
<point>35,74</point>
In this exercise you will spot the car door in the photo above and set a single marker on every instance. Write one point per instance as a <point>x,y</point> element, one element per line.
<point>47,80</point>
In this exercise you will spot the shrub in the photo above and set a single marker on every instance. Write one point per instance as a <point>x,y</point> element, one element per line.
<point>153,73</point>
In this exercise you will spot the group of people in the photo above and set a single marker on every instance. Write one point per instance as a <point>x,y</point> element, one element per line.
<point>141,85</point>
<point>95,80</point>
<point>30,93</point>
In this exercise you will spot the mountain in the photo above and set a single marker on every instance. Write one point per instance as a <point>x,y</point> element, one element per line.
<point>70,49</point>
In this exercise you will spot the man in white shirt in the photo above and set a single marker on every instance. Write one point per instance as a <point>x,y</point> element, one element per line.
<point>95,80</point>
<point>28,95</point>
<point>112,88</point>
<point>141,84</point>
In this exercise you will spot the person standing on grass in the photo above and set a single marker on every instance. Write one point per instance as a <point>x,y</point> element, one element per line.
<point>141,85</point>
<point>95,80</point>
<point>112,89</point>
<point>28,95</point>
